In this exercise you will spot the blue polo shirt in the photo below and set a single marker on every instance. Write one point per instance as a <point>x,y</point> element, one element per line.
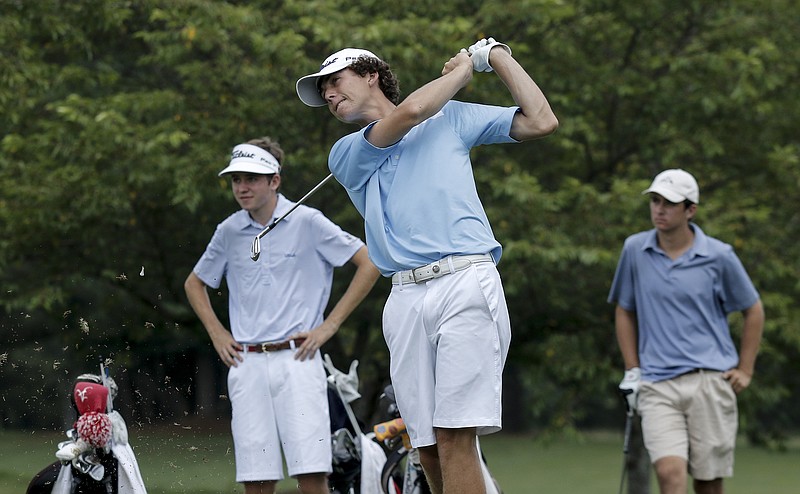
<point>287,289</point>
<point>418,196</point>
<point>682,305</point>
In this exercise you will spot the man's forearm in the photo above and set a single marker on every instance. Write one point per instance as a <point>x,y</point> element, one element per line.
<point>536,118</point>
<point>752,331</point>
<point>363,280</point>
<point>625,325</point>
<point>419,106</point>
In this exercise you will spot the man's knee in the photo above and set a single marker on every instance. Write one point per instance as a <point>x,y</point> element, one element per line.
<point>428,455</point>
<point>313,483</point>
<point>262,487</point>
<point>670,466</point>
<point>451,441</point>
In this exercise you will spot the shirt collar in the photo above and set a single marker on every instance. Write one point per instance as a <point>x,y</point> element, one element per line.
<point>244,221</point>
<point>699,246</point>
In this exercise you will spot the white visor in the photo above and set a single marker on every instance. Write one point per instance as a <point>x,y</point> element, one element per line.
<point>307,87</point>
<point>247,158</point>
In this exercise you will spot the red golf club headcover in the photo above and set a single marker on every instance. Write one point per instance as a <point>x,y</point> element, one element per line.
<point>94,428</point>
<point>90,397</point>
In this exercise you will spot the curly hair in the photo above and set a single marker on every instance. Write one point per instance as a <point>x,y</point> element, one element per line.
<point>270,145</point>
<point>387,81</point>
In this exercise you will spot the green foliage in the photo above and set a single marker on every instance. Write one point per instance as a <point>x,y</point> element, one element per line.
<point>117,116</point>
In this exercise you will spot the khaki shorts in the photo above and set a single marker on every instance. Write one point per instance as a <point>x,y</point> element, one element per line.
<point>693,416</point>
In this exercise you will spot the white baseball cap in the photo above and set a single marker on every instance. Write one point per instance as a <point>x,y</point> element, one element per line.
<point>247,158</point>
<point>676,186</point>
<point>307,87</point>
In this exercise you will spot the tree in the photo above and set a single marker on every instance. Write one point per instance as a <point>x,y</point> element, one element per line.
<point>116,123</point>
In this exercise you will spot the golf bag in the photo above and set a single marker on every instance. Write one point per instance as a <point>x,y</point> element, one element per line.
<point>96,458</point>
<point>357,458</point>
<point>402,472</point>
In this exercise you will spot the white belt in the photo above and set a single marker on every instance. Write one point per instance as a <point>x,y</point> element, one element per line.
<point>437,269</point>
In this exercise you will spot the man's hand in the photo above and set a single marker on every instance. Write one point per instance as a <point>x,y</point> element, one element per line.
<point>480,53</point>
<point>461,58</point>
<point>738,379</point>
<point>314,340</point>
<point>629,387</point>
<point>227,348</point>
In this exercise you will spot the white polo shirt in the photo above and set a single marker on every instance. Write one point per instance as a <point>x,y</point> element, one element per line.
<point>287,289</point>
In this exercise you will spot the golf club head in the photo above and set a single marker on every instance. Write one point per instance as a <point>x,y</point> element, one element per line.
<point>255,249</point>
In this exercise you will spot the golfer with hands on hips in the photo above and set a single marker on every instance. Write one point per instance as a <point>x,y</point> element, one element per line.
<point>408,172</point>
<point>674,288</point>
<point>276,381</point>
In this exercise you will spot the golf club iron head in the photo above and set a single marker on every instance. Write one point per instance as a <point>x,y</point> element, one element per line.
<point>255,249</point>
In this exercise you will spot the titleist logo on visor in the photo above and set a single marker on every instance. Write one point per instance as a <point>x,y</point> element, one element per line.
<point>248,158</point>
<point>254,154</point>
<point>238,153</point>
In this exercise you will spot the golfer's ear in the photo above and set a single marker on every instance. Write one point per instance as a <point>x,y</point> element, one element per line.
<point>692,210</point>
<point>276,180</point>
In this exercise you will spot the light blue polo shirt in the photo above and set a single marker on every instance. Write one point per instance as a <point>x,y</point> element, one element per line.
<point>418,196</point>
<point>682,305</point>
<point>287,289</point>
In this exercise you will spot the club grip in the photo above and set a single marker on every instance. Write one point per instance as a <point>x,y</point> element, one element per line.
<point>390,429</point>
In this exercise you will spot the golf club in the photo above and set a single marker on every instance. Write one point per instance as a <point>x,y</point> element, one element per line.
<point>255,249</point>
<point>629,412</point>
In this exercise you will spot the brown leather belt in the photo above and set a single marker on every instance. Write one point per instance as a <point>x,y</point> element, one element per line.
<point>274,347</point>
<point>699,369</point>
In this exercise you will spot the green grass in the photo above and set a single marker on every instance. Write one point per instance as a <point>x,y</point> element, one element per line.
<point>200,461</point>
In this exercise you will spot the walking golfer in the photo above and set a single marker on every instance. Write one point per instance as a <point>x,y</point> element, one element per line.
<point>276,380</point>
<point>673,289</point>
<point>408,172</point>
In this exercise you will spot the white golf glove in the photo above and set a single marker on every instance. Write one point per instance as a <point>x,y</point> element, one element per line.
<point>347,383</point>
<point>630,387</point>
<point>479,52</point>
<point>69,450</point>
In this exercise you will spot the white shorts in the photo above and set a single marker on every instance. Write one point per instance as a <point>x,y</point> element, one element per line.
<point>448,340</point>
<point>694,417</point>
<point>279,403</point>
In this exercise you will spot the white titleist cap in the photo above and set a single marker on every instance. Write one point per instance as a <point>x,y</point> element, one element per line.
<point>247,158</point>
<point>676,186</point>
<point>307,87</point>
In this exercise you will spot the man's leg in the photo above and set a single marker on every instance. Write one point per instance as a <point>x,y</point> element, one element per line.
<point>429,459</point>
<point>313,483</point>
<point>459,461</point>
<point>265,487</point>
<point>708,486</point>
<point>672,475</point>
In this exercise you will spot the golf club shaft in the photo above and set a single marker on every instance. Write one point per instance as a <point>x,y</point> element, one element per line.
<point>625,446</point>
<point>255,250</point>
<point>301,201</point>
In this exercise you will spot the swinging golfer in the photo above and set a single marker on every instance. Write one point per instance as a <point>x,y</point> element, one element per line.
<point>674,288</point>
<point>408,172</point>
<point>276,382</point>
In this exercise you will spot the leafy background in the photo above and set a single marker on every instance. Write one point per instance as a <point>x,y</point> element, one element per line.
<point>116,116</point>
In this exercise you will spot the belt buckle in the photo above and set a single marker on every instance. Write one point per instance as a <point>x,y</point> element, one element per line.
<point>266,347</point>
<point>433,270</point>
